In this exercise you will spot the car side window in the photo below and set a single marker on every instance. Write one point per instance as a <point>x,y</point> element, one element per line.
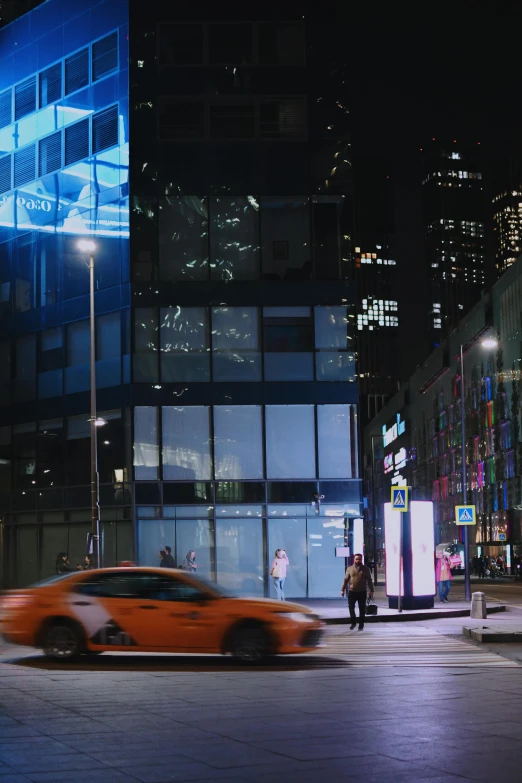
<point>166,588</point>
<point>111,584</point>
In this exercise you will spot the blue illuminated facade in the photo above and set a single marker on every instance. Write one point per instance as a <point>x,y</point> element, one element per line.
<point>224,306</point>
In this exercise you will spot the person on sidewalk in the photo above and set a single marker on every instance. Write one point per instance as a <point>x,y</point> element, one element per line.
<point>355,580</point>
<point>443,576</point>
<point>278,572</point>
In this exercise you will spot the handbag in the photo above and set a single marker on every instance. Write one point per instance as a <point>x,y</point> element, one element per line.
<point>276,571</point>
<point>371,606</point>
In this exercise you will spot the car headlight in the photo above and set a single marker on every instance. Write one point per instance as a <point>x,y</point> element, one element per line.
<point>297,617</point>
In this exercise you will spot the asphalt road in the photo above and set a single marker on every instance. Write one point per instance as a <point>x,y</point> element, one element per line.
<point>399,704</point>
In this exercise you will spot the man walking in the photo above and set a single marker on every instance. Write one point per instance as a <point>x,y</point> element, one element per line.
<point>355,580</point>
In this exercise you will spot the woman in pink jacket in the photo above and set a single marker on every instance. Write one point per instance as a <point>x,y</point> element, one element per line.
<point>278,572</point>
<point>443,576</point>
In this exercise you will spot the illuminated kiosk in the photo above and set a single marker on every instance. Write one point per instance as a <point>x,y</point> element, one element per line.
<point>417,565</point>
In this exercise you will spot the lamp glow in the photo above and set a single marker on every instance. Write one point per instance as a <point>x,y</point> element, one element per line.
<point>489,343</point>
<point>86,245</point>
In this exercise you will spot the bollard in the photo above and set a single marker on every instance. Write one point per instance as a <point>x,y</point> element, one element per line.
<point>478,606</point>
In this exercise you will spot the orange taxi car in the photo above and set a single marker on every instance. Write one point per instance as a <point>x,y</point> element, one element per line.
<point>152,610</point>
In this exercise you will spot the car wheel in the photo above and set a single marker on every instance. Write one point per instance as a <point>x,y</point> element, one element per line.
<point>62,642</point>
<point>250,645</point>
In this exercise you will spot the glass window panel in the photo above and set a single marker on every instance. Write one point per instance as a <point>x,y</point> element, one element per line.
<point>146,446</point>
<point>235,344</point>
<point>325,570</point>
<point>238,449</point>
<point>25,571</point>
<point>24,455</point>
<point>108,350</point>
<point>145,360</point>
<point>153,535</point>
<point>183,238</point>
<point>234,238</point>
<point>290,441</point>
<point>5,376</point>
<point>24,386</point>
<point>335,441</point>
<point>55,538</point>
<point>289,367</point>
<point>50,443</point>
<point>285,236</point>
<point>240,510</point>
<point>196,535</point>
<point>332,366</point>
<point>331,327</point>
<point>230,43</point>
<point>289,534</point>
<point>286,312</point>
<point>185,351</point>
<point>240,555</point>
<point>180,44</point>
<point>186,443</point>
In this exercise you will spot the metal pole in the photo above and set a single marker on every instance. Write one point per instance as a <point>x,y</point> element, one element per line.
<point>373,514</point>
<point>467,586</point>
<point>95,494</point>
<point>399,602</point>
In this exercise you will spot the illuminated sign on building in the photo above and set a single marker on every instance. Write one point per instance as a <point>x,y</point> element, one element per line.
<point>388,463</point>
<point>400,459</point>
<point>398,429</point>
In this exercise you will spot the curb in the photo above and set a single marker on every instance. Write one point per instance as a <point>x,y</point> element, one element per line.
<point>406,617</point>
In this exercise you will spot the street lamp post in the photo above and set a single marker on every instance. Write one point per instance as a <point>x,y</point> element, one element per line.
<point>489,342</point>
<point>88,246</point>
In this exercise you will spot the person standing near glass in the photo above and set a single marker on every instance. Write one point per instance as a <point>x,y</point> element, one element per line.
<point>278,572</point>
<point>189,563</point>
<point>443,576</point>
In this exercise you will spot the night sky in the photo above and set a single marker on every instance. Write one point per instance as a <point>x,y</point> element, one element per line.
<point>446,70</point>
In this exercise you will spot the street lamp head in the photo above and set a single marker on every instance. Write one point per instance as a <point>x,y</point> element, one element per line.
<point>489,343</point>
<point>86,245</point>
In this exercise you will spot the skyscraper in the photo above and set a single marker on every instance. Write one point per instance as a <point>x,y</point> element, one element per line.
<point>507,228</point>
<point>204,153</point>
<point>454,215</point>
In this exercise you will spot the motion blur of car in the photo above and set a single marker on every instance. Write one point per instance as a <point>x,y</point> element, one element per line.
<point>454,555</point>
<point>150,610</point>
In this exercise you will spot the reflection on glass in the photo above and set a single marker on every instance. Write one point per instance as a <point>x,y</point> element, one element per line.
<point>239,555</point>
<point>184,344</point>
<point>196,534</point>
<point>289,534</point>
<point>285,237</point>
<point>183,243</point>
<point>153,535</point>
<point>146,446</point>
<point>235,344</point>
<point>290,441</point>
<point>186,443</point>
<point>337,439</point>
<point>325,570</point>
<point>234,238</point>
<point>238,445</point>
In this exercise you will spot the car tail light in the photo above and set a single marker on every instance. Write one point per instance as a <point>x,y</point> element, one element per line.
<point>13,602</point>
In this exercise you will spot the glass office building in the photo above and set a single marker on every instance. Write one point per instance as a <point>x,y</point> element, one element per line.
<point>224,310</point>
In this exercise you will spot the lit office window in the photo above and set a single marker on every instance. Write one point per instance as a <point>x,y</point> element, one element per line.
<point>146,443</point>
<point>337,439</point>
<point>186,443</point>
<point>290,441</point>
<point>238,448</point>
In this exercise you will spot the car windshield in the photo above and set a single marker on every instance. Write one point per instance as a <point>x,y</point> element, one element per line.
<point>51,579</point>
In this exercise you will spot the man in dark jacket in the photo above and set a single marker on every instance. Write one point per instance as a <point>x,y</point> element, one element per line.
<point>167,561</point>
<point>355,580</point>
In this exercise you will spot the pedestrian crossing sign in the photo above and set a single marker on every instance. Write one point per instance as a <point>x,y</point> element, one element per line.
<point>399,498</point>
<point>465,515</point>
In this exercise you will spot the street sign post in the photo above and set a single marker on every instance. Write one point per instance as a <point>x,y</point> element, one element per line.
<point>465,515</point>
<point>399,499</point>
<point>502,536</point>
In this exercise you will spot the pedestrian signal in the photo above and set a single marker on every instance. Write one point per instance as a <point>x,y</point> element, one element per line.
<point>399,498</point>
<point>465,515</point>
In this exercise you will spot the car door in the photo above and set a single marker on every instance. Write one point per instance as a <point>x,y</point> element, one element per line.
<point>104,603</point>
<point>192,616</point>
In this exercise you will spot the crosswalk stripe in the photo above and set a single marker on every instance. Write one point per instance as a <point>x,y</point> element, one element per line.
<point>427,648</point>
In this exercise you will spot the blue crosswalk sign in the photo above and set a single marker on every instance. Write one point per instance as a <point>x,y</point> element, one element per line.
<point>399,498</point>
<point>501,536</point>
<point>465,515</point>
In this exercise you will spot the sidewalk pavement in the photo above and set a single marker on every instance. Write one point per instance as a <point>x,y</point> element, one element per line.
<point>335,610</point>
